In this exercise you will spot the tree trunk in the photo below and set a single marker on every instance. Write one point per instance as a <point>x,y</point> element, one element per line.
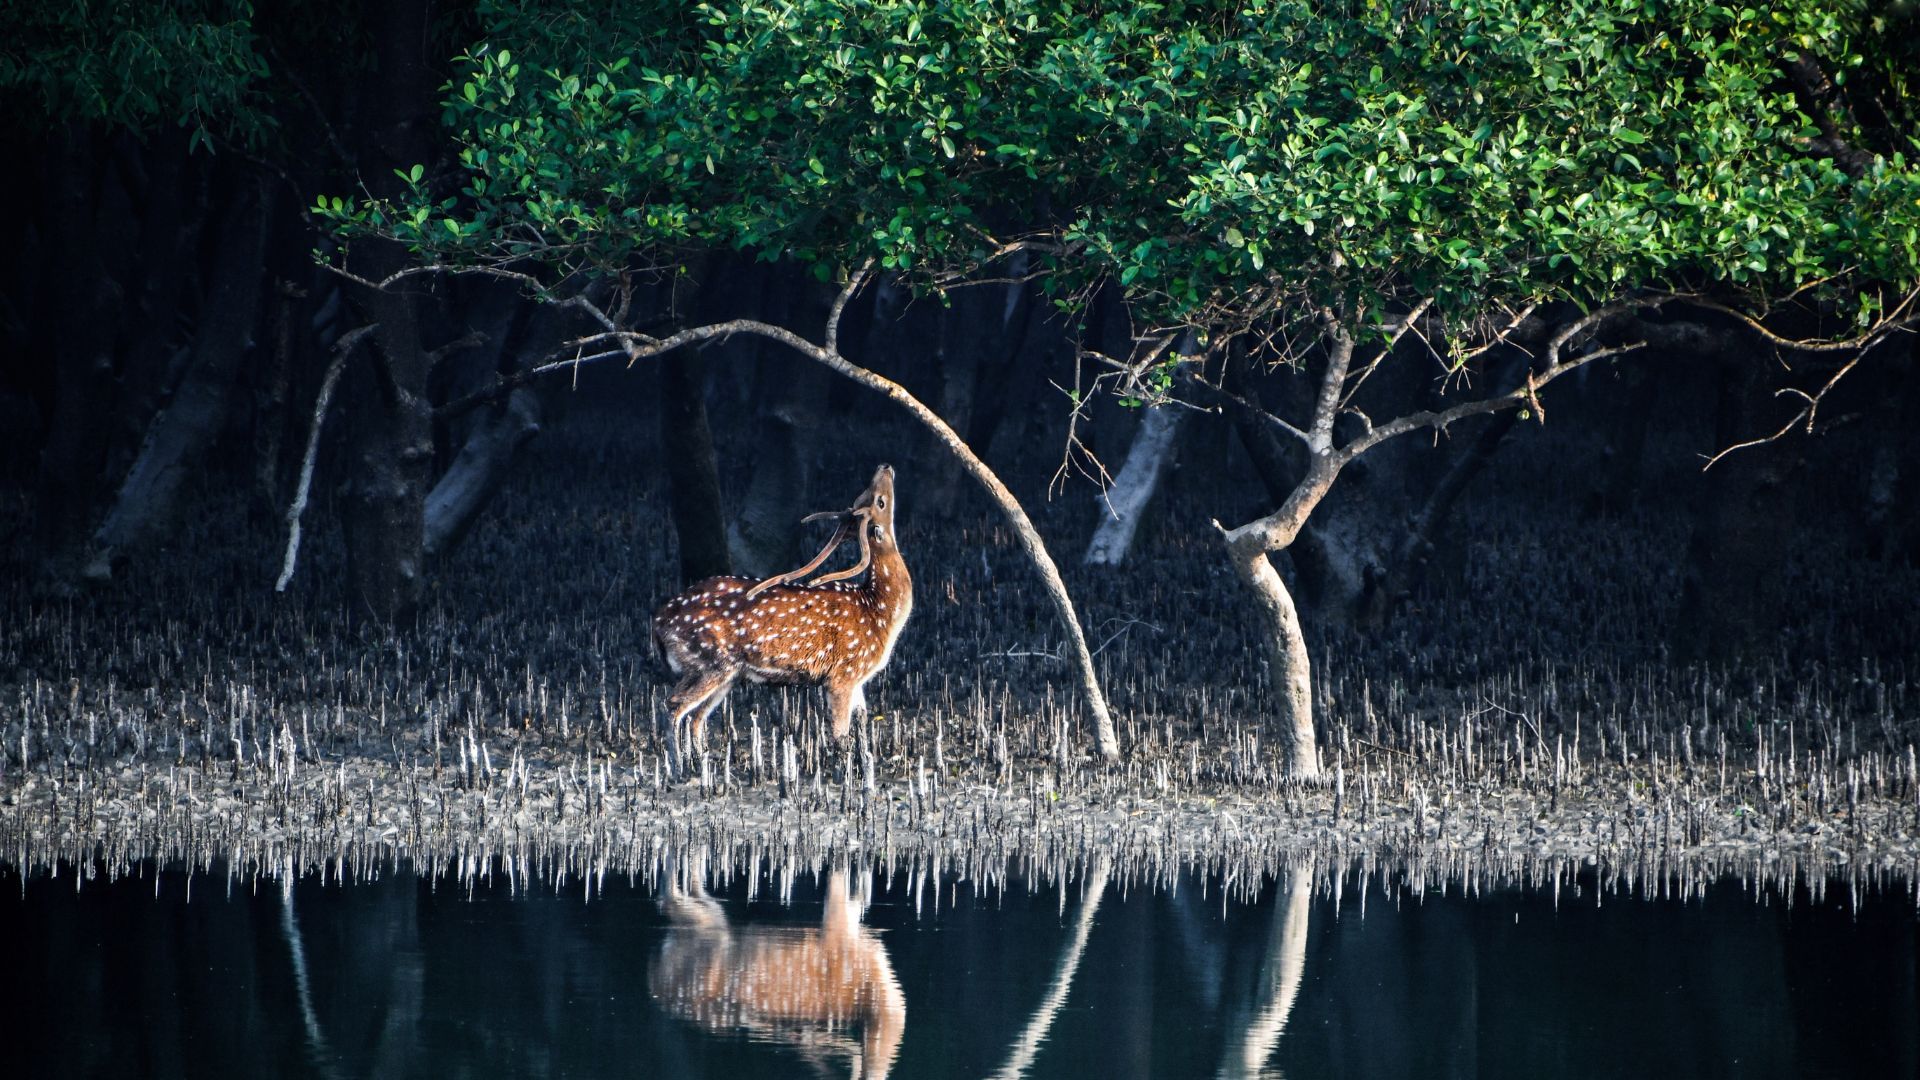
<point>1136,485</point>
<point>977,326</point>
<point>763,537</point>
<point>1000,421</point>
<point>148,339</point>
<point>1616,484</point>
<point>390,435</point>
<point>1291,670</point>
<point>180,435</point>
<point>478,470</point>
<point>1893,478</point>
<point>693,475</point>
<point>383,510</point>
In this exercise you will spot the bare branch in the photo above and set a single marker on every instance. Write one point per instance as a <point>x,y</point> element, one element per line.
<point>1900,318</point>
<point>341,350</point>
<point>854,283</point>
<point>1327,404</point>
<point>1252,409</point>
<point>382,284</point>
<point>1557,365</point>
<point>1398,330</point>
<point>1806,416</point>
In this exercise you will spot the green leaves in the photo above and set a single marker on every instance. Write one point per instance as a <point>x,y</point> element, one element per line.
<point>192,64</point>
<point>1497,152</point>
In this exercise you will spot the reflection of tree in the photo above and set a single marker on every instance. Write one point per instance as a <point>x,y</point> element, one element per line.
<point>317,1048</point>
<point>1028,1044</point>
<point>1286,964</point>
<point>800,986</point>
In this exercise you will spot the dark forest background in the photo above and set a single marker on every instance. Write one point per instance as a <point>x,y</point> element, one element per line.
<point>168,318</point>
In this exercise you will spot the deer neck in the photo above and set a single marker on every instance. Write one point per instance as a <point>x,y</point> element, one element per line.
<point>889,581</point>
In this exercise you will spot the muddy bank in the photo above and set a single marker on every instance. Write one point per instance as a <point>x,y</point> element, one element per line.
<point>548,817</point>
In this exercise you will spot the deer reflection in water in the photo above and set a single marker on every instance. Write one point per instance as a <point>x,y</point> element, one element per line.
<point>805,987</point>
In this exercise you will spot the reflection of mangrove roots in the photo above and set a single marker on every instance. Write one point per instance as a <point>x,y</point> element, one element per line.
<point>803,987</point>
<point>1286,963</point>
<point>1028,1044</point>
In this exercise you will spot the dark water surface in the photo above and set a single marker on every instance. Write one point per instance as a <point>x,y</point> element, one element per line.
<point>408,976</point>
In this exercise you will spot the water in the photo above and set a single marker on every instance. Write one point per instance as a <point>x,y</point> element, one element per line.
<point>408,976</point>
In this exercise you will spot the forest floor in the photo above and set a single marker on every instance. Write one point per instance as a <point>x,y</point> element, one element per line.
<point>188,713</point>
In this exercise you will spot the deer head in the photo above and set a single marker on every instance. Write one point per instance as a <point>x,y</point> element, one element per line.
<point>869,519</point>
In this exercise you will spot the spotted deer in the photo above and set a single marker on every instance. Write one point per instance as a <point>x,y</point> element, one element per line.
<point>831,632</point>
<point>809,987</point>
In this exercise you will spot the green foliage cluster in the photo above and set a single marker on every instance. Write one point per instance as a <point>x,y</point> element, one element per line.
<point>1209,157</point>
<point>196,64</point>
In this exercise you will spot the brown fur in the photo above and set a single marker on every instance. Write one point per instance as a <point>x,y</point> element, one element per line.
<point>837,635</point>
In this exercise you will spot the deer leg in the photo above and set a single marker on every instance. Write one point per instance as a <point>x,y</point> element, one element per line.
<point>698,693</point>
<point>840,699</point>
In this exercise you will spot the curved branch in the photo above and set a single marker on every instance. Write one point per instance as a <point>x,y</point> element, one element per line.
<point>641,346</point>
<point>634,346</point>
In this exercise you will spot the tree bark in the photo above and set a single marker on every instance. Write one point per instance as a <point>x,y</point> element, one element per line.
<point>180,435</point>
<point>1135,487</point>
<point>1291,671</point>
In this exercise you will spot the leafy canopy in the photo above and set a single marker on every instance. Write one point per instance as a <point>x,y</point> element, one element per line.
<point>1211,158</point>
<point>195,64</point>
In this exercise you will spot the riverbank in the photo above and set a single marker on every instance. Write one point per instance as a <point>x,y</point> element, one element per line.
<point>517,808</point>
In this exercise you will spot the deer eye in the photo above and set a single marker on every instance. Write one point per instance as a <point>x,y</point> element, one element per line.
<point>881,502</point>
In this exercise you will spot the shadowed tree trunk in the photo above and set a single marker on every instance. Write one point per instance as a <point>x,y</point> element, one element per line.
<point>1616,484</point>
<point>390,433</point>
<point>1893,481</point>
<point>182,432</point>
<point>491,435</point>
<point>982,324</point>
<point>1406,569</point>
<point>1139,480</point>
<point>478,470</point>
<point>693,477</point>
